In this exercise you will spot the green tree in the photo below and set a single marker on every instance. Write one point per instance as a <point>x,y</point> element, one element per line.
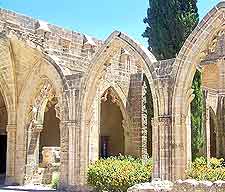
<point>196,115</point>
<point>169,22</point>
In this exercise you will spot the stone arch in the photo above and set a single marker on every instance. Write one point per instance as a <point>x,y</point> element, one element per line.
<point>122,100</point>
<point>45,72</point>
<point>44,94</point>
<point>185,64</point>
<point>97,67</point>
<point>93,135</point>
<point>94,76</point>
<point>8,91</point>
<point>8,78</point>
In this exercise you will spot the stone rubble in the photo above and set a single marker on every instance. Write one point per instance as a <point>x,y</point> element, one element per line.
<point>188,185</point>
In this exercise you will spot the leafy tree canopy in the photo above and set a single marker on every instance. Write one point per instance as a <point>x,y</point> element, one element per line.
<point>169,22</point>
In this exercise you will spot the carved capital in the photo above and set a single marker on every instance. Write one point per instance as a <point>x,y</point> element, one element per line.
<point>11,128</point>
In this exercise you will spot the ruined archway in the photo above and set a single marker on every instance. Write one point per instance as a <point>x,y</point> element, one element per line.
<point>43,87</point>
<point>131,62</point>
<point>42,137</point>
<point>195,53</point>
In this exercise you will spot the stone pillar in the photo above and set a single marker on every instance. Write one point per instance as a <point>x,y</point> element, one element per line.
<point>204,122</point>
<point>155,148</point>
<point>32,160</point>
<point>188,137</point>
<point>137,133</point>
<point>165,137</point>
<point>162,138</point>
<point>179,148</point>
<point>11,150</point>
<point>74,153</point>
<point>64,154</point>
<point>220,131</point>
<point>207,131</point>
<point>39,129</point>
<point>127,140</point>
<point>74,156</point>
<point>94,130</point>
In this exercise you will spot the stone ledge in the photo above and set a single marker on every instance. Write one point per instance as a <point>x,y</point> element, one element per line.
<point>189,185</point>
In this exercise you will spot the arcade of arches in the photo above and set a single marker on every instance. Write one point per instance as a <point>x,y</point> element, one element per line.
<point>68,99</point>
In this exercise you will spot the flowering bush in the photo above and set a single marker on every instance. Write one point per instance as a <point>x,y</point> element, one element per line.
<point>202,169</point>
<point>117,174</point>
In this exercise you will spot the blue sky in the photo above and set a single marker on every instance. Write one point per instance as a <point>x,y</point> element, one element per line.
<point>97,18</point>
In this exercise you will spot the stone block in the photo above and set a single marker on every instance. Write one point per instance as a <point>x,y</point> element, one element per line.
<point>155,186</point>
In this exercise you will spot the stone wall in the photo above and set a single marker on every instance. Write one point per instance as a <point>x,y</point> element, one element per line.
<point>80,69</point>
<point>71,49</point>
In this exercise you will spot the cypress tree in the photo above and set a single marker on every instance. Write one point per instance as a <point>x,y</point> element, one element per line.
<point>169,22</point>
<point>196,116</point>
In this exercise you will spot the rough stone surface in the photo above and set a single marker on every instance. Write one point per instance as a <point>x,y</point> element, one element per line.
<point>189,185</point>
<point>155,185</point>
<point>43,67</point>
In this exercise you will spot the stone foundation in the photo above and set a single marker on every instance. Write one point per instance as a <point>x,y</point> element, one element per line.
<point>189,185</point>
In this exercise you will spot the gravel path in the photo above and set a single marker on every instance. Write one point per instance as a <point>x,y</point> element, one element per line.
<point>27,188</point>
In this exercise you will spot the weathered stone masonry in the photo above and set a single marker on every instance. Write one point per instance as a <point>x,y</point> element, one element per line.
<point>41,63</point>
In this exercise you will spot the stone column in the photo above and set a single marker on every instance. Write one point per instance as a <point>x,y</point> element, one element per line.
<point>162,138</point>
<point>127,139</point>
<point>74,153</point>
<point>155,148</point>
<point>70,155</point>
<point>94,130</point>
<point>39,129</point>
<point>207,131</point>
<point>165,137</point>
<point>188,136</point>
<point>220,131</point>
<point>204,122</point>
<point>137,135</point>
<point>73,145</point>
<point>179,147</point>
<point>64,154</point>
<point>11,150</point>
<point>32,161</point>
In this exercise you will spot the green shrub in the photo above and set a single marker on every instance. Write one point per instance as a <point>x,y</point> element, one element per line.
<point>211,170</point>
<point>117,174</point>
<point>55,180</point>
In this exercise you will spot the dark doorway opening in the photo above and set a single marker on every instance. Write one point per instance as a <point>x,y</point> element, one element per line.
<point>112,141</point>
<point>3,151</point>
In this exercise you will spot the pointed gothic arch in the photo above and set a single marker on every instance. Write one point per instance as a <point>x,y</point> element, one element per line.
<point>94,80</point>
<point>186,63</point>
<point>35,92</point>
